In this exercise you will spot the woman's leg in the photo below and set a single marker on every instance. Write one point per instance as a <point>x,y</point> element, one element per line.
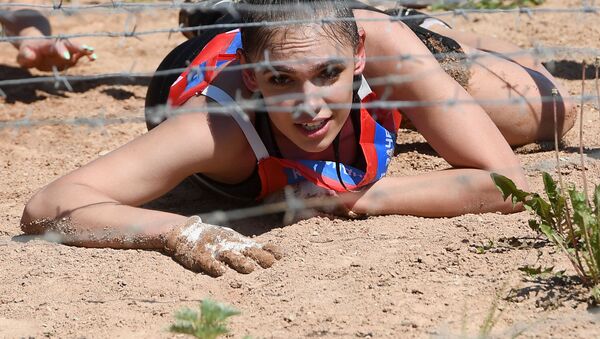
<point>502,73</point>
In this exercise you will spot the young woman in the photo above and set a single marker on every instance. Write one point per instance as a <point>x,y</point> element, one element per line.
<point>310,127</point>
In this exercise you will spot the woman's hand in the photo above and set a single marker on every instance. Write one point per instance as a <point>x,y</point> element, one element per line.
<point>43,54</point>
<point>38,52</point>
<point>318,198</point>
<point>206,248</point>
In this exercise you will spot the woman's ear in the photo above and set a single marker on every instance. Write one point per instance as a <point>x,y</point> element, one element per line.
<point>248,75</point>
<point>360,55</point>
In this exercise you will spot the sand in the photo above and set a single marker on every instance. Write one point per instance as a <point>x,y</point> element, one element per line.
<point>385,277</point>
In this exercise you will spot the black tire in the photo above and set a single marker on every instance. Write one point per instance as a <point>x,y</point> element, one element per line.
<point>178,58</point>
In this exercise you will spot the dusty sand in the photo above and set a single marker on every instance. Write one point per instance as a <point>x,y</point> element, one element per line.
<point>386,277</point>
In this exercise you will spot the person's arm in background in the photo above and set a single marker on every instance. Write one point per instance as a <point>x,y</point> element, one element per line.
<point>41,53</point>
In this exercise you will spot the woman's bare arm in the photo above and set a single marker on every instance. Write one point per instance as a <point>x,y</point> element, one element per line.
<point>436,194</point>
<point>95,205</point>
<point>452,123</point>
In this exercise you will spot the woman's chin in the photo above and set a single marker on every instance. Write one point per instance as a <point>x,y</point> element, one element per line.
<point>315,146</point>
<point>313,141</point>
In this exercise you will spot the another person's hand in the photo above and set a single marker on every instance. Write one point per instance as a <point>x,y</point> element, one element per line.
<point>206,248</point>
<point>43,54</point>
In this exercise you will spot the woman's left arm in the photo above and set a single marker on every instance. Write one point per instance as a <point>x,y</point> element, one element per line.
<point>468,140</point>
<point>437,194</point>
<point>452,123</point>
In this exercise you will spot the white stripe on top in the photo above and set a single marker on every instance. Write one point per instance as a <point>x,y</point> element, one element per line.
<point>224,99</point>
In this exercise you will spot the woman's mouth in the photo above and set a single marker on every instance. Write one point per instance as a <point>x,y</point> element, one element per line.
<point>313,128</point>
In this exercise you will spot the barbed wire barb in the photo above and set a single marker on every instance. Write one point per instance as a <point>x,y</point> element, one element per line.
<point>526,11</point>
<point>55,6</point>
<point>60,79</point>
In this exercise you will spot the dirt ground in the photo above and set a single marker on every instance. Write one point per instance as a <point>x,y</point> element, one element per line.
<point>392,276</point>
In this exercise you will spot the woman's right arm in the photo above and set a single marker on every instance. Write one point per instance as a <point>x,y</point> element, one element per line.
<point>95,204</point>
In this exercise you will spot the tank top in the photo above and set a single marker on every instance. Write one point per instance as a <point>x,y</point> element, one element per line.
<point>376,131</point>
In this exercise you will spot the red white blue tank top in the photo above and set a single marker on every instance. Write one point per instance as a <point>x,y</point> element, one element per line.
<point>377,128</point>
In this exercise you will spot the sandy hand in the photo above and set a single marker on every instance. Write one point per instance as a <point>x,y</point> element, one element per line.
<point>206,248</point>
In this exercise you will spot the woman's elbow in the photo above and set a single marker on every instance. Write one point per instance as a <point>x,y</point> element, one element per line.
<point>508,207</point>
<point>36,211</point>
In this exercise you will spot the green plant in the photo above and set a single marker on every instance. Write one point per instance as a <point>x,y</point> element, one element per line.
<point>209,323</point>
<point>483,247</point>
<point>533,271</point>
<point>483,4</point>
<point>574,228</point>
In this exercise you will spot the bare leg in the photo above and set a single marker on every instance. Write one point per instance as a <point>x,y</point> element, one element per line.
<point>500,73</point>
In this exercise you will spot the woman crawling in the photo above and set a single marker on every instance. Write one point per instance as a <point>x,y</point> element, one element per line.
<point>311,125</point>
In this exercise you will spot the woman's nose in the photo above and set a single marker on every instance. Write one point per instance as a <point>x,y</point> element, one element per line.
<point>312,99</point>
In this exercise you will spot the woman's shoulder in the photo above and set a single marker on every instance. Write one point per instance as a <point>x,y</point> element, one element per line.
<point>218,136</point>
<point>204,114</point>
<point>380,31</point>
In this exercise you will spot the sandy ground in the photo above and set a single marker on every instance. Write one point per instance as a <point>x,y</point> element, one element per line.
<point>387,276</point>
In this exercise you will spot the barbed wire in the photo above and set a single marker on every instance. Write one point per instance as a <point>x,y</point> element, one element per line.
<point>179,5</point>
<point>160,112</point>
<point>538,53</point>
<point>458,12</point>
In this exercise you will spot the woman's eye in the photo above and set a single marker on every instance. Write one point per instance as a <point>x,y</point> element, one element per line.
<point>331,73</point>
<point>280,80</point>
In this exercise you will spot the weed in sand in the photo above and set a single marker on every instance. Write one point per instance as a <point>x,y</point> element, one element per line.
<point>209,323</point>
<point>575,229</point>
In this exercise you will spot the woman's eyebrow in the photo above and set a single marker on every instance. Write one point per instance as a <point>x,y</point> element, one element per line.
<point>328,63</point>
<point>279,68</point>
<point>313,68</point>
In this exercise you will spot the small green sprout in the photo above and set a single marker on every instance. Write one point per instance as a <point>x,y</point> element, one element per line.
<point>209,323</point>
<point>481,249</point>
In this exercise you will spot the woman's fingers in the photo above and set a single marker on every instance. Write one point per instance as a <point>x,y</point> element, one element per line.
<point>238,262</point>
<point>206,248</point>
<point>26,57</point>
<point>209,265</point>
<point>275,250</point>
<point>263,258</point>
<point>46,54</point>
<point>197,259</point>
<point>78,51</point>
<point>61,50</point>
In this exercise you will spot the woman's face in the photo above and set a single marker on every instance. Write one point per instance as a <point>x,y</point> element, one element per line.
<point>308,89</point>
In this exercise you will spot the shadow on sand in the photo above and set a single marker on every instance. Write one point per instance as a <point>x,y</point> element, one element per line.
<point>569,70</point>
<point>30,93</point>
<point>189,198</point>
